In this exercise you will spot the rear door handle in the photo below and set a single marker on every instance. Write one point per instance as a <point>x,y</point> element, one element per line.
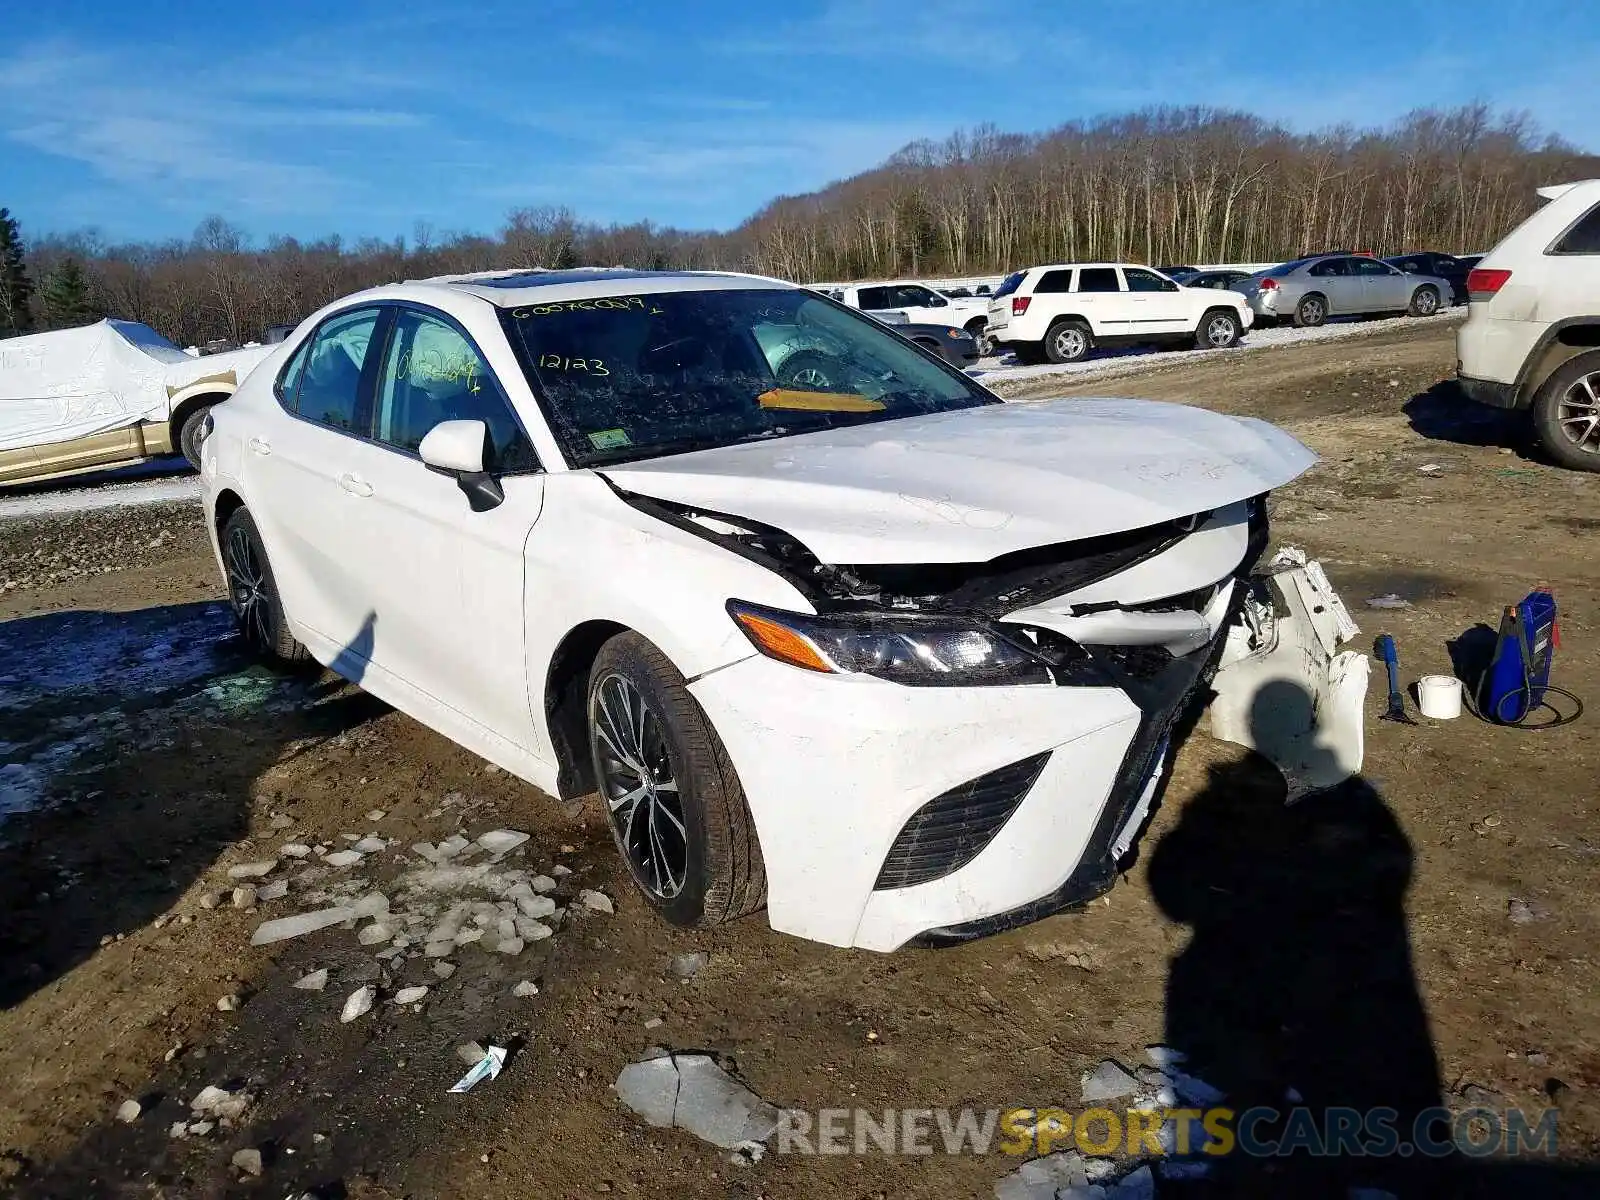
<point>260,445</point>
<point>355,485</point>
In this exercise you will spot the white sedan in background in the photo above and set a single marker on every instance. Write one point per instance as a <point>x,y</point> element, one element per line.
<point>839,633</point>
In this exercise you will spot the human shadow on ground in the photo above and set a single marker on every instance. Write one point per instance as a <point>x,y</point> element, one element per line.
<point>1297,989</point>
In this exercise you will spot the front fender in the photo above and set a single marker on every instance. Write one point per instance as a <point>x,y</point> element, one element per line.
<point>592,557</point>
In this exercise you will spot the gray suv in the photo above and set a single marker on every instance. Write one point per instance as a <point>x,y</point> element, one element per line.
<point>1308,291</point>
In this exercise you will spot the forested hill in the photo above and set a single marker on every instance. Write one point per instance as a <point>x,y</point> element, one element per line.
<point>1157,186</point>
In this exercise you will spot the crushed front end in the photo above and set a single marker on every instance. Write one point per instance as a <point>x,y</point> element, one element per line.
<point>894,807</point>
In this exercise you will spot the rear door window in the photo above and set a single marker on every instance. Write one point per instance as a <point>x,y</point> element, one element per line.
<point>1098,279</point>
<point>875,297</point>
<point>1053,281</point>
<point>1329,267</point>
<point>330,386</point>
<point>1582,238</point>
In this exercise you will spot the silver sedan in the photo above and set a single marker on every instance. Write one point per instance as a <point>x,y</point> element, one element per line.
<point>1308,291</point>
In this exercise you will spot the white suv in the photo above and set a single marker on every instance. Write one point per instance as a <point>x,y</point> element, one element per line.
<point>1532,337</point>
<point>1062,312</point>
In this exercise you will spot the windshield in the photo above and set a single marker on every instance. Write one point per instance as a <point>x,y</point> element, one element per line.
<point>629,377</point>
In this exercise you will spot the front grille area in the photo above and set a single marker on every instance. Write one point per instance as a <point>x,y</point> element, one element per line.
<point>950,830</point>
<point>1166,689</point>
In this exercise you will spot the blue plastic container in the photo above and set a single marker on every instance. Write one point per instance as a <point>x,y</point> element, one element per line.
<point>1523,653</point>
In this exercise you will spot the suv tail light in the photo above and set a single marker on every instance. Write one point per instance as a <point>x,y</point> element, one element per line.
<point>1482,285</point>
<point>1019,305</point>
<point>1268,284</point>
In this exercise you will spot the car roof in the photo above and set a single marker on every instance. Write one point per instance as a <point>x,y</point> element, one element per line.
<point>512,289</point>
<point>1071,265</point>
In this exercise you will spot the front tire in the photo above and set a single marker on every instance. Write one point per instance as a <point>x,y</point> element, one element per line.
<point>1068,342</point>
<point>1311,311</point>
<point>189,435</point>
<point>1218,330</point>
<point>253,592</point>
<point>1566,413</point>
<point>673,800</point>
<point>1424,301</point>
<point>980,334</point>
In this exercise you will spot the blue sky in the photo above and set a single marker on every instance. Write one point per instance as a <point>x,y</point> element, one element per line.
<point>308,117</point>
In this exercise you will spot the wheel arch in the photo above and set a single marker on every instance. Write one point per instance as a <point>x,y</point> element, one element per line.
<point>187,402</point>
<point>565,700</point>
<point>977,324</point>
<point>228,502</point>
<point>1561,343</point>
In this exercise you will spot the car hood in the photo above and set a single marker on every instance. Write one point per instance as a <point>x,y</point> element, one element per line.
<point>969,486</point>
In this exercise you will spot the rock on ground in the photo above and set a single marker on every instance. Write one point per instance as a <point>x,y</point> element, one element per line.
<point>691,1092</point>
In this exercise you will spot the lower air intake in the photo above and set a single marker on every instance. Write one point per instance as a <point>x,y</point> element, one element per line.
<point>950,830</point>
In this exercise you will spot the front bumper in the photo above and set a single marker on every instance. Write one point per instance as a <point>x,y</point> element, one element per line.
<point>1490,391</point>
<point>834,767</point>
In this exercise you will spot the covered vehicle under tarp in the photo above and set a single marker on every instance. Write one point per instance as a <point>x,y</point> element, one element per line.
<point>73,383</point>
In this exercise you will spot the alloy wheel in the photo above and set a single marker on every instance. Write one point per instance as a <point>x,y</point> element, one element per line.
<point>1311,312</point>
<point>248,587</point>
<point>1578,413</point>
<point>1426,303</point>
<point>1070,344</point>
<point>810,377</point>
<point>639,787</point>
<point>1219,332</point>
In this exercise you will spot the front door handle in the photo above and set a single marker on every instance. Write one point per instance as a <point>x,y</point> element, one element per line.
<point>260,445</point>
<point>355,485</point>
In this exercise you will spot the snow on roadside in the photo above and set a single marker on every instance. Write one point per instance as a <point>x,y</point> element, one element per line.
<point>998,372</point>
<point>108,495</point>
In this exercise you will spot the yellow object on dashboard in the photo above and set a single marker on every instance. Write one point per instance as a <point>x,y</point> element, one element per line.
<point>818,401</point>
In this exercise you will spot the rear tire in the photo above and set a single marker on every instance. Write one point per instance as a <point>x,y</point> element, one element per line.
<point>1311,311</point>
<point>253,592</point>
<point>1219,329</point>
<point>1424,301</point>
<point>1566,413</point>
<point>1068,342</point>
<point>688,840</point>
<point>189,435</point>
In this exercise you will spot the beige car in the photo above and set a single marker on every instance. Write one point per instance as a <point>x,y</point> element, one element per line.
<point>106,395</point>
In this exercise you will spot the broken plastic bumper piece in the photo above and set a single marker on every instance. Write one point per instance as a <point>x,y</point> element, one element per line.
<point>1283,687</point>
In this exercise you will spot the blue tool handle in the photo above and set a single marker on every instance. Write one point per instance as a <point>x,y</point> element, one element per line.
<point>1390,654</point>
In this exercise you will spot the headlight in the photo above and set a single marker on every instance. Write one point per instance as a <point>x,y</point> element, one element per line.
<point>919,651</point>
<point>960,335</point>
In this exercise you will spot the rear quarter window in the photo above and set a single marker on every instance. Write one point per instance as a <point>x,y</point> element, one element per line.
<point>1010,284</point>
<point>1583,237</point>
<point>1053,281</point>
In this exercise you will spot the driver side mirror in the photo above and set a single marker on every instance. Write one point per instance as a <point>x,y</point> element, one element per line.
<point>457,448</point>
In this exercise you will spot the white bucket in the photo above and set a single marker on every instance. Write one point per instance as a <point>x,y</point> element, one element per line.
<point>1439,697</point>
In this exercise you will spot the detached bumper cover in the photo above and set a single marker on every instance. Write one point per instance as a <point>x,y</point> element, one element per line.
<point>1284,687</point>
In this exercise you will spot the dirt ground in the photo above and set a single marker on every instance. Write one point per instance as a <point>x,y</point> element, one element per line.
<point>1427,935</point>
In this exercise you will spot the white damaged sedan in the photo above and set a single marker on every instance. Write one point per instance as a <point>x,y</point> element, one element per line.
<point>828,627</point>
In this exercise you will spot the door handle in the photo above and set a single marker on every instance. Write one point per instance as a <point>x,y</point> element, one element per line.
<point>355,485</point>
<point>260,445</point>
